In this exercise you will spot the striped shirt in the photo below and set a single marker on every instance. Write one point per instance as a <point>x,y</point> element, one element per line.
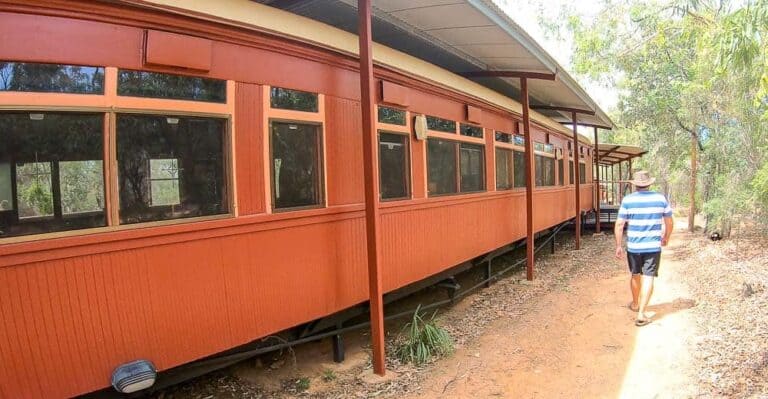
<point>644,212</point>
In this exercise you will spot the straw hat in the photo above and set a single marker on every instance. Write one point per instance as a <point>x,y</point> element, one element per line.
<point>642,179</point>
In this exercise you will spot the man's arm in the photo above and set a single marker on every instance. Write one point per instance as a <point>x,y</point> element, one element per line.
<point>669,224</point>
<point>618,232</point>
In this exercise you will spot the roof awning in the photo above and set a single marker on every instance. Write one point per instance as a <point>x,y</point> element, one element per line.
<point>465,37</point>
<point>611,154</point>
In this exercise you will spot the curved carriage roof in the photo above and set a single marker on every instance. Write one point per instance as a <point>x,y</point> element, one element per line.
<point>433,39</point>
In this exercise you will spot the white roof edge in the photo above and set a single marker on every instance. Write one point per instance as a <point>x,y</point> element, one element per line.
<point>497,15</point>
<point>251,15</point>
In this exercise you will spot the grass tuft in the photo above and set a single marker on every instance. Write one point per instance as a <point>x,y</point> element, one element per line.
<point>423,340</point>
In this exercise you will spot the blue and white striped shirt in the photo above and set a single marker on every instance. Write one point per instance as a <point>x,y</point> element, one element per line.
<point>644,212</point>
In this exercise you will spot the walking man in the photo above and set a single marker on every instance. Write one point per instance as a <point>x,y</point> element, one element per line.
<point>649,219</point>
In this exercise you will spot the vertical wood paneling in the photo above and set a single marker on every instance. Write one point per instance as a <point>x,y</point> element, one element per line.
<point>343,148</point>
<point>249,149</point>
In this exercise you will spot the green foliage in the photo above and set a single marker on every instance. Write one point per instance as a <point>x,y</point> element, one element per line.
<point>687,68</point>
<point>424,339</point>
<point>302,384</point>
<point>329,375</point>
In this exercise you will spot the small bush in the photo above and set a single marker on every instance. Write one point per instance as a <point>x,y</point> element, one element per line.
<point>424,340</point>
<point>302,384</point>
<point>329,375</point>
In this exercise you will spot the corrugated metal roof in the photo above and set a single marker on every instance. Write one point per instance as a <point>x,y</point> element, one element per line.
<point>461,36</point>
<point>611,154</point>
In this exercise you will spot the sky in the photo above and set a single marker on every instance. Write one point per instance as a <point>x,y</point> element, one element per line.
<point>526,14</point>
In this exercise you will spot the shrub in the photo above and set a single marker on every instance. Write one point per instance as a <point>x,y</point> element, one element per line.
<point>424,339</point>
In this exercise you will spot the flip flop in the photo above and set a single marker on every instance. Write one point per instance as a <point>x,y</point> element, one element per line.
<point>642,322</point>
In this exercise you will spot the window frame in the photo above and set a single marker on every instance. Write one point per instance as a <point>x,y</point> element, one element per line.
<point>514,148</point>
<point>408,162</point>
<point>110,104</point>
<point>322,177</point>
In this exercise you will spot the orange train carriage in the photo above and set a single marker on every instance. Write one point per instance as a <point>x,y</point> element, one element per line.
<point>174,185</point>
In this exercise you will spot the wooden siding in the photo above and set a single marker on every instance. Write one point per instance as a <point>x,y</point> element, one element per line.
<point>249,146</point>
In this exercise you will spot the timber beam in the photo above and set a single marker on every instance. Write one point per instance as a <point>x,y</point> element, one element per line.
<point>509,74</point>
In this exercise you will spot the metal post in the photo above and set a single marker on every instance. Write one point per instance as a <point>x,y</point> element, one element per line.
<point>597,183</point>
<point>371,184</point>
<point>621,185</point>
<point>338,345</point>
<point>529,243</point>
<point>613,184</point>
<point>629,174</point>
<point>577,179</point>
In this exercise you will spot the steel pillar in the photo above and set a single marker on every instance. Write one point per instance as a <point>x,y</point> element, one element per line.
<point>371,181</point>
<point>529,243</point>
<point>597,183</point>
<point>577,179</point>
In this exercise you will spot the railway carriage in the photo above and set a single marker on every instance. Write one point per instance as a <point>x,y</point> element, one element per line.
<point>181,178</point>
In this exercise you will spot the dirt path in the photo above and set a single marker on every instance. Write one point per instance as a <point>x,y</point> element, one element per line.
<point>580,342</point>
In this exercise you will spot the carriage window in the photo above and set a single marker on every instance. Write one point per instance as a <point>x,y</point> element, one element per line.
<point>442,167</point>
<point>503,137</point>
<point>545,170</point>
<point>293,99</point>
<point>170,167</point>
<point>51,78</point>
<point>519,169</point>
<point>440,124</point>
<point>51,172</point>
<point>471,131</point>
<point>297,171</point>
<point>392,116</point>
<point>503,169</point>
<point>561,171</point>
<point>582,173</point>
<point>472,163</point>
<point>175,87</point>
<point>393,165</point>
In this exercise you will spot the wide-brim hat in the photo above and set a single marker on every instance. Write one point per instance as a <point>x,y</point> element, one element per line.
<point>642,179</point>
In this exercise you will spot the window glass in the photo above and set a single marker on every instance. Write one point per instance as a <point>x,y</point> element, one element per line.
<point>176,87</point>
<point>582,173</point>
<point>504,137</point>
<point>392,116</point>
<point>570,173</point>
<point>472,164</point>
<point>393,161</point>
<point>293,99</point>
<point>503,169</point>
<point>545,170</point>
<point>84,192</point>
<point>164,181</point>
<point>51,78</point>
<point>6,187</point>
<point>51,172</point>
<point>561,171</point>
<point>440,124</point>
<point>296,165</point>
<point>519,169</point>
<point>442,167</point>
<point>35,189</point>
<point>471,131</point>
<point>548,148</point>
<point>519,140</point>
<point>170,167</point>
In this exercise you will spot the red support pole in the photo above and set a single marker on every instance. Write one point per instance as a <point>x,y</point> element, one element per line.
<point>597,183</point>
<point>529,243</point>
<point>577,179</point>
<point>370,168</point>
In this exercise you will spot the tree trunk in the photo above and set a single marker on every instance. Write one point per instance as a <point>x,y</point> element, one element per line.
<point>694,155</point>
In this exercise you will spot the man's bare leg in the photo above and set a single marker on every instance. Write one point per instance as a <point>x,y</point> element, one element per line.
<point>634,286</point>
<point>646,290</point>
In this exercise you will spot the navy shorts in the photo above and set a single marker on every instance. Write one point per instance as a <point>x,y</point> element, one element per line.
<point>646,264</point>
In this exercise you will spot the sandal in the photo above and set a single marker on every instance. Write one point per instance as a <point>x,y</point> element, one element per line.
<point>642,322</point>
